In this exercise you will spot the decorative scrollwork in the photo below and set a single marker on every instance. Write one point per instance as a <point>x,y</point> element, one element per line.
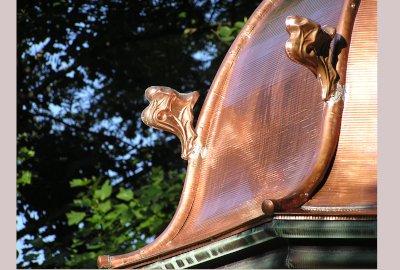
<point>309,45</point>
<point>172,111</point>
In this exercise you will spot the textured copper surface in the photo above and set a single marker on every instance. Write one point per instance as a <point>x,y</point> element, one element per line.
<point>309,45</point>
<point>262,125</point>
<point>172,111</point>
<point>353,178</point>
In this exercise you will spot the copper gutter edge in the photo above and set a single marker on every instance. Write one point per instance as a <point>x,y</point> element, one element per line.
<point>332,115</point>
<point>270,231</point>
<point>189,190</point>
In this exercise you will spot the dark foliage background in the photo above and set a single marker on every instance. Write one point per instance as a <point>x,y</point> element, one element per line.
<point>92,179</point>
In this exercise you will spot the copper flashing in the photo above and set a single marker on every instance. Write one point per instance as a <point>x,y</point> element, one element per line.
<point>268,238</point>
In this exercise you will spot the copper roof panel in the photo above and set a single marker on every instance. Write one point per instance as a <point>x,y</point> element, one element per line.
<point>352,181</point>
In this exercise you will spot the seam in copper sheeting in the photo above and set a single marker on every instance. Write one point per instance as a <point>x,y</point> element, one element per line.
<point>338,208</point>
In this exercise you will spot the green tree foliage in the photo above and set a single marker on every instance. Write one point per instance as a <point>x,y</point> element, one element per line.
<point>92,179</point>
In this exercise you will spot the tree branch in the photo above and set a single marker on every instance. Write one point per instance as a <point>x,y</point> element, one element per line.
<point>102,135</point>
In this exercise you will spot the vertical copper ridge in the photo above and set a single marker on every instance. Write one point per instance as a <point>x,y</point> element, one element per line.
<point>341,44</point>
<point>172,111</point>
<point>309,45</point>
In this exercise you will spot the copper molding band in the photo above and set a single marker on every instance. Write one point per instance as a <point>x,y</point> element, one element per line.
<point>340,209</point>
<point>320,217</point>
<point>104,261</point>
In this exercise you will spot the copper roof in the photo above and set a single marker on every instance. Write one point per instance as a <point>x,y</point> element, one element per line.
<point>267,140</point>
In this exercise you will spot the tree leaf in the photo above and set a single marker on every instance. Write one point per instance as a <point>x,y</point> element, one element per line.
<point>125,194</point>
<point>188,31</point>
<point>25,179</point>
<point>95,219</point>
<point>182,15</point>
<point>120,208</point>
<point>124,213</point>
<point>228,39</point>
<point>79,182</point>
<point>112,216</point>
<point>137,214</point>
<point>125,217</point>
<point>25,153</point>
<point>225,31</point>
<point>75,217</point>
<point>156,208</point>
<point>105,206</point>
<point>104,192</point>
<point>86,201</point>
<point>97,246</point>
<point>147,223</point>
<point>239,25</point>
